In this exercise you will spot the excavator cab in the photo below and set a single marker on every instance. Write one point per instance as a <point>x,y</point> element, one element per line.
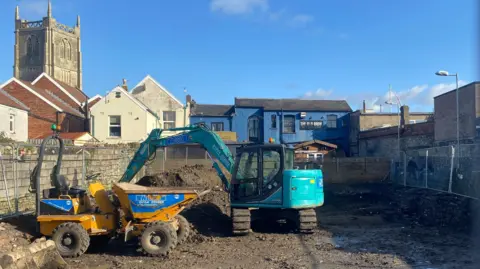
<point>258,171</point>
<point>265,185</point>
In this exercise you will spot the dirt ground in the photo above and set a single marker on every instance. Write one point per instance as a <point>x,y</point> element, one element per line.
<point>358,227</point>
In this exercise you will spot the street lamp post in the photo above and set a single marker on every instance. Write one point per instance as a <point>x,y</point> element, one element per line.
<point>444,73</point>
<point>399,104</point>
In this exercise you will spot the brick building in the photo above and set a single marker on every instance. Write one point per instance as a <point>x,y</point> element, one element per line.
<point>469,114</point>
<point>361,121</point>
<point>50,101</point>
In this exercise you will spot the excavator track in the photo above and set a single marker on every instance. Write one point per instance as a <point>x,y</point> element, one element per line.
<point>307,220</point>
<point>240,221</point>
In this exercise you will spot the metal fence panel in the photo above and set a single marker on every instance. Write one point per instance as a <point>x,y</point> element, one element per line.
<point>449,169</point>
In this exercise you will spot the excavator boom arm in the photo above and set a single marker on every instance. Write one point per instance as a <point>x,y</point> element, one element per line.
<point>208,139</point>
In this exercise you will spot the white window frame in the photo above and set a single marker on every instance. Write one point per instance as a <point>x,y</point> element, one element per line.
<point>293,127</point>
<point>11,125</point>
<point>114,125</point>
<point>169,121</point>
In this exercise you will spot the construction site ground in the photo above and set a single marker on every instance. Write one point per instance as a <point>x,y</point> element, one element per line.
<point>358,227</point>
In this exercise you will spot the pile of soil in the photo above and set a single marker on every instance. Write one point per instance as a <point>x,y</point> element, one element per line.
<point>186,176</point>
<point>11,238</point>
<point>431,208</point>
<point>209,213</point>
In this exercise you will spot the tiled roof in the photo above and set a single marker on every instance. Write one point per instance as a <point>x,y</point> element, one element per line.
<point>210,110</point>
<point>8,100</point>
<point>54,99</point>
<point>93,102</point>
<point>295,104</point>
<point>78,94</point>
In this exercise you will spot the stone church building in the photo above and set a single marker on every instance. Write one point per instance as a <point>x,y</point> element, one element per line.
<point>47,46</point>
<point>47,75</point>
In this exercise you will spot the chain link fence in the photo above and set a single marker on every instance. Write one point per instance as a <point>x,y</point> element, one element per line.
<point>450,169</point>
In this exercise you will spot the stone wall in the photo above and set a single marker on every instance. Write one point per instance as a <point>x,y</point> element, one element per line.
<point>109,162</point>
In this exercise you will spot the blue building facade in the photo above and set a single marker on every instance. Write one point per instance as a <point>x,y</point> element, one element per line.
<point>216,117</point>
<point>288,121</point>
<point>292,121</point>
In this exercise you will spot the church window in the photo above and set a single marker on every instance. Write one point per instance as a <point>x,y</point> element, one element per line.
<point>61,51</point>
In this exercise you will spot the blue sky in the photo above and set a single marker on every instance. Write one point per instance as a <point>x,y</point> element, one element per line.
<point>219,49</point>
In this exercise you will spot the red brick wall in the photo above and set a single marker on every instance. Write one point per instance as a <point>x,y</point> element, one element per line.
<point>37,127</point>
<point>42,115</point>
<point>45,83</point>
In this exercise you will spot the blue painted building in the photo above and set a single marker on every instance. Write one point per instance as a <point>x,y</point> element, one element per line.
<point>289,121</point>
<point>216,117</point>
<point>292,121</point>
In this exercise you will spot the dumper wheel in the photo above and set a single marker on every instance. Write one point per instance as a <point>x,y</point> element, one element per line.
<point>183,231</point>
<point>307,221</point>
<point>158,238</point>
<point>71,239</point>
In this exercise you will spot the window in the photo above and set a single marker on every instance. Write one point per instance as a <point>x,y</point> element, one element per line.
<point>168,119</point>
<point>61,50</point>
<point>115,126</point>
<point>118,94</point>
<point>68,50</point>
<point>12,123</point>
<point>271,168</point>
<point>247,174</point>
<point>274,121</point>
<point>332,121</point>
<point>217,126</point>
<point>289,124</point>
<point>311,124</point>
<point>289,159</point>
<point>253,128</point>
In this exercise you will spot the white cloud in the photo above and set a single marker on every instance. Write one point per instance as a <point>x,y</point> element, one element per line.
<point>419,97</point>
<point>318,94</point>
<point>238,6</point>
<point>242,7</point>
<point>300,20</point>
<point>277,15</point>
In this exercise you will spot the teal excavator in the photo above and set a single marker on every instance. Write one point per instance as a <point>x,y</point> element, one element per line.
<point>263,182</point>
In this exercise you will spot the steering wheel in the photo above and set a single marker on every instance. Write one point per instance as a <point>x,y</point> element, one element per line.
<point>93,176</point>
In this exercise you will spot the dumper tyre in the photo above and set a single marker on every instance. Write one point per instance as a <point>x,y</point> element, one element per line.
<point>158,239</point>
<point>183,231</point>
<point>71,239</point>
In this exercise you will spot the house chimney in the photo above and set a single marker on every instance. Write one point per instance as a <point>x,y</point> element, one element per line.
<point>124,85</point>
<point>364,110</point>
<point>188,98</point>
<point>404,115</point>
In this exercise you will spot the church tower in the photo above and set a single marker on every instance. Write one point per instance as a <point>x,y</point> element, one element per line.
<point>47,46</point>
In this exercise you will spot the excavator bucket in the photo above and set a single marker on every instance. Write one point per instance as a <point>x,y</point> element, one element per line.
<point>40,254</point>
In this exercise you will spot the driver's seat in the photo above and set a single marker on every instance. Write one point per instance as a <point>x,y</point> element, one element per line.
<point>62,187</point>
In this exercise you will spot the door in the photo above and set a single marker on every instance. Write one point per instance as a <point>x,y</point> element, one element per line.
<point>246,175</point>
